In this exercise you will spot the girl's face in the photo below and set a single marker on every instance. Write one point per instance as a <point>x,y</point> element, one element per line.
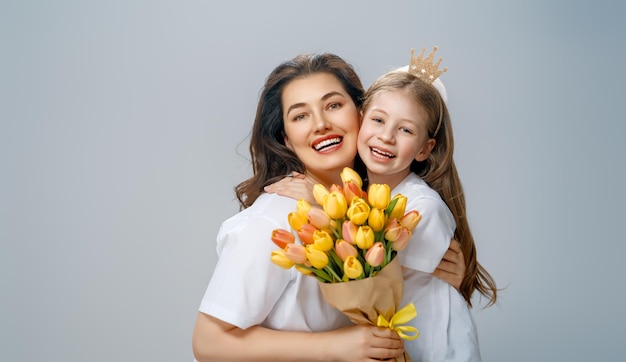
<point>393,134</point>
<point>321,124</point>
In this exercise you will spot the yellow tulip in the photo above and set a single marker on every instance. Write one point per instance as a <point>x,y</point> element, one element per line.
<point>378,195</point>
<point>296,253</point>
<point>319,193</point>
<point>335,205</point>
<point>304,270</point>
<point>377,219</point>
<point>402,241</point>
<point>398,210</point>
<point>359,211</point>
<point>344,249</point>
<point>303,206</point>
<point>364,237</point>
<point>352,267</point>
<point>348,174</point>
<point>316,257</point>
<point>322,240</point>
<point>411,219</point>
<point>306,233</point>
<point>348,231</point>
<point>282,237</point>
<point>279,258</point>
<point>318,218</point>
<point>297,219</point>
<point>376,254</point>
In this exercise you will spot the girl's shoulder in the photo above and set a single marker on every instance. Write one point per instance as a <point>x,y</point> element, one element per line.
<point>414,187</point>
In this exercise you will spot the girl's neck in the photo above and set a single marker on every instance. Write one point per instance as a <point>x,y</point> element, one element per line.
<point>392,180</point>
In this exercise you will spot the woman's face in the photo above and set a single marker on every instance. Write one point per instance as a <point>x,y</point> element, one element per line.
<point>321,124</point>
<point>393,134</point>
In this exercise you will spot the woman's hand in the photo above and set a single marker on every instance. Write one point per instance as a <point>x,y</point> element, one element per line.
<point>451,269</point>
<point>297,186</point>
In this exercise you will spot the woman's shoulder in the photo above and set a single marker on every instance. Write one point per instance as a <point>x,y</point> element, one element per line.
<point>267,207</point>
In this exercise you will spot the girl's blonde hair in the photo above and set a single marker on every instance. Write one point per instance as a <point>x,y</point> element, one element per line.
<point>439,171</point>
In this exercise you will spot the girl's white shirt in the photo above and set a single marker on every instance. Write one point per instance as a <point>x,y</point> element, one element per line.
<point>446,325</point>
<point>247,289</point>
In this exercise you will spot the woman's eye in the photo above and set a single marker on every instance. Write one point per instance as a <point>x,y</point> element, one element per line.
<point>334,106</point>
<point>299,117</point>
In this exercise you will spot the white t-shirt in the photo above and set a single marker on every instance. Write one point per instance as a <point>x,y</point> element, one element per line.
<point>247,289</point>
<point>445,322</point>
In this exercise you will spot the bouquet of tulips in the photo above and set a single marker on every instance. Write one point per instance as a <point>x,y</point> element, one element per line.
<point>350,244</point>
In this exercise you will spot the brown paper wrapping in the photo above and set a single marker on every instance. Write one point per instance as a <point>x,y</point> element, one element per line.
<point>362,301</point>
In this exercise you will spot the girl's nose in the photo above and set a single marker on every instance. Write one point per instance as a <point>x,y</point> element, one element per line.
<point>386,135</point>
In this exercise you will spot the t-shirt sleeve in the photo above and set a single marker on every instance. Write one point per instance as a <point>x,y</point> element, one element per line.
<point>245,284</point>
<point>431,238</point>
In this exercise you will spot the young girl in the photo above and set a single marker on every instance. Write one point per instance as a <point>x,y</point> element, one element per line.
<point>406,141</point>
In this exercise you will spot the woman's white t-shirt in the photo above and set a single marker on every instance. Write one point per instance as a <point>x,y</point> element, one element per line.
<point>247,289</point>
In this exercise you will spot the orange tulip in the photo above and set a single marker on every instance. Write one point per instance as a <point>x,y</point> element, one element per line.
<point>411,219</point>
<point>402,241</point>
<point>345,249</point>
<point>306,233</point>
<point>348,231</point>
<point>318,218</point>
<point>296,253</point>
<point>352,191</point>
<point>376,254</point>
<point>393,230</point>
<point>282,237</point>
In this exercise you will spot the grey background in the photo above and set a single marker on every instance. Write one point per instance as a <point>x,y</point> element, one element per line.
<point>123,132</point>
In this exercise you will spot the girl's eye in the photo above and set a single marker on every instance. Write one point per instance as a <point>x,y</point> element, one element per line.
<point>406,130</point>
<point>377,120</point>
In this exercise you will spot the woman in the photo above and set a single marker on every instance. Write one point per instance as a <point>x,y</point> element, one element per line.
<point>307,121</point>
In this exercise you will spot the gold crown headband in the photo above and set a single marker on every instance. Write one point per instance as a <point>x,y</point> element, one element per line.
<point>424,68</point>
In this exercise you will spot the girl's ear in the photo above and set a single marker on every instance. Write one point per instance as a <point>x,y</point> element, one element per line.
<point>360,118</point>
<point>426,149</point>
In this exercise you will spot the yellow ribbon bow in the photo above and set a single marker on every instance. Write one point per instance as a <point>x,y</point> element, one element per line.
<point>402,316</point>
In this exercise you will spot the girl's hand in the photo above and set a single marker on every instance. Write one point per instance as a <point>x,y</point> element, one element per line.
<point>451,269</point>
<point>297,186</point>
<point>364,343</point>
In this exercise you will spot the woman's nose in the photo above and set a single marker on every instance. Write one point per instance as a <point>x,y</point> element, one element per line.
<point>321,122</point>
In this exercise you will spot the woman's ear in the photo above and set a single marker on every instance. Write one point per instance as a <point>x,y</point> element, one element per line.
<point>286,140</point>
<point>426,149</point>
